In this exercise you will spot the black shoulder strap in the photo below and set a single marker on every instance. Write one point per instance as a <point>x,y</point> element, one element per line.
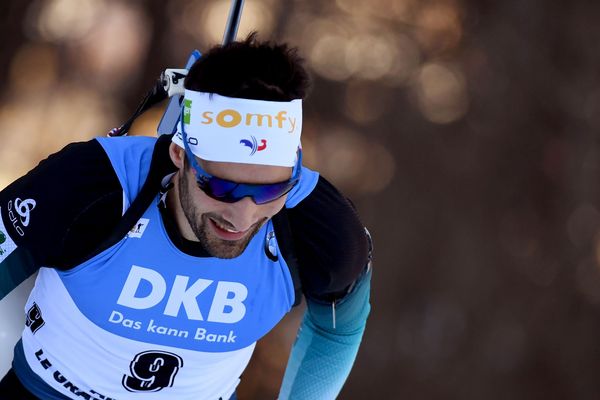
<point>285,241</point>
<point>158,170</point>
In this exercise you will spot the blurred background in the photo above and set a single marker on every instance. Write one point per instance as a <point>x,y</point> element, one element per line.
<point>465,131</point>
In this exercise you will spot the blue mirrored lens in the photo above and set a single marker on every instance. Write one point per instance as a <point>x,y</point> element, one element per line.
<point>272,192</point>
<point>231,192</point>
<point>220,187</point>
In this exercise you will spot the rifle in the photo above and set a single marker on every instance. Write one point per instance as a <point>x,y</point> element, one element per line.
<point>170,83</point>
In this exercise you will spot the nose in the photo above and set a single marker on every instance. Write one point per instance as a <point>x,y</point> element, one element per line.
<point>242,214</point>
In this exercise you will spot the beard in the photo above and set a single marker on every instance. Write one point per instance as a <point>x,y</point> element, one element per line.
<point>199,222</point>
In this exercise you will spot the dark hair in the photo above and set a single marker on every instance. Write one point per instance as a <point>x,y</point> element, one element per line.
<point>252,70</point>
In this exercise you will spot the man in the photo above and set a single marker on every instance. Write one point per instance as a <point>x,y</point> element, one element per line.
<point>235,228</point>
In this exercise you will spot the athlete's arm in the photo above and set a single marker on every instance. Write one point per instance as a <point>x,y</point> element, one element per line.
<point>333,251</point>
<point>58,212</point>
<point>324,352</point>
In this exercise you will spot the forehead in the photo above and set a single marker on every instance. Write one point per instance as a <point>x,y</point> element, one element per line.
<point>246,173</point>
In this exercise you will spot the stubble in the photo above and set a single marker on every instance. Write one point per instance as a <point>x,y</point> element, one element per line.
<point>199,223</point>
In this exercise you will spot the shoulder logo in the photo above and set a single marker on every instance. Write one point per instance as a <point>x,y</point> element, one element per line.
<point>253,144</point>
<point>23,208</point>
<point>138,229</point>
<point>271,247</point>
<point>19,213</point>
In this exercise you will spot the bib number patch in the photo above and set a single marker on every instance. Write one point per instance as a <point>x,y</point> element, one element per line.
<point>34,318</point>
<point>152,371</point>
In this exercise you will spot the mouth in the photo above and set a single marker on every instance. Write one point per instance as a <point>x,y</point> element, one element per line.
<point>226,233</point>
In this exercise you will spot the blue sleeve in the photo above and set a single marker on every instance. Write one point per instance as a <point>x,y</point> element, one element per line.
<point>327,344</point>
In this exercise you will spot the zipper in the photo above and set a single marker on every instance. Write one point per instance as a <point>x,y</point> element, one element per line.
<point>333,313</point>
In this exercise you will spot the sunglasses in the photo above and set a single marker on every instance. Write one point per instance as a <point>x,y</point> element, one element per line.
<point>231,192</point>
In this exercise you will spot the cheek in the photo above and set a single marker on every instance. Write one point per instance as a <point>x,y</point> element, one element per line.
<point>197,198</point>
<point>206,203</point>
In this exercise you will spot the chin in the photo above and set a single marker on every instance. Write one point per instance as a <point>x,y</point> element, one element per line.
<point>221,248</point>
<point>226,249</point>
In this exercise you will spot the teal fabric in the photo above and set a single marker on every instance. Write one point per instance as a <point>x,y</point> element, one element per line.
<point>15,269</point>
<point>322,356</point>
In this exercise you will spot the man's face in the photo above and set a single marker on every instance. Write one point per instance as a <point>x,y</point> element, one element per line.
<point>225,229</point>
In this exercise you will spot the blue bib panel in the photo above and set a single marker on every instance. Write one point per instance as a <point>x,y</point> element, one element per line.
<point>145,289</point>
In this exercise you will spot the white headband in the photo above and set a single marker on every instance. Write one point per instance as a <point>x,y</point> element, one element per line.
<point>228,129</point>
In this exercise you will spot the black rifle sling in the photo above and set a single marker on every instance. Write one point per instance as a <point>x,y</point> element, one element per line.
<point>283,233</point>
<point>158,170</point>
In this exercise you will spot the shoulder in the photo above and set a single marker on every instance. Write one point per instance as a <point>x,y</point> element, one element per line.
<point>330,241</point>
<point>130,158</point>
<point>308,182</point>
<point>77,164</point>
<point>75,196</point>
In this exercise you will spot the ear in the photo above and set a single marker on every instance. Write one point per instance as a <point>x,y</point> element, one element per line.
<point>177,155</point>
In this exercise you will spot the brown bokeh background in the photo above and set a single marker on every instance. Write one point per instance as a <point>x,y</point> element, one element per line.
<point>466,132</point>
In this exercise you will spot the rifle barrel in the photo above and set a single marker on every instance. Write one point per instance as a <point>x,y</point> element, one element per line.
<point>233,22</point>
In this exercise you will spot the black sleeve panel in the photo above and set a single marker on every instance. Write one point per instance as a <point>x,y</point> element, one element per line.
<point>330,242</point>
<point>75,200</point>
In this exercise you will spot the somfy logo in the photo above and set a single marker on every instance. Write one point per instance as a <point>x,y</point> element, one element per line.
<point>23,208</point>
<point>253,144</point>
<point>230,118</point>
